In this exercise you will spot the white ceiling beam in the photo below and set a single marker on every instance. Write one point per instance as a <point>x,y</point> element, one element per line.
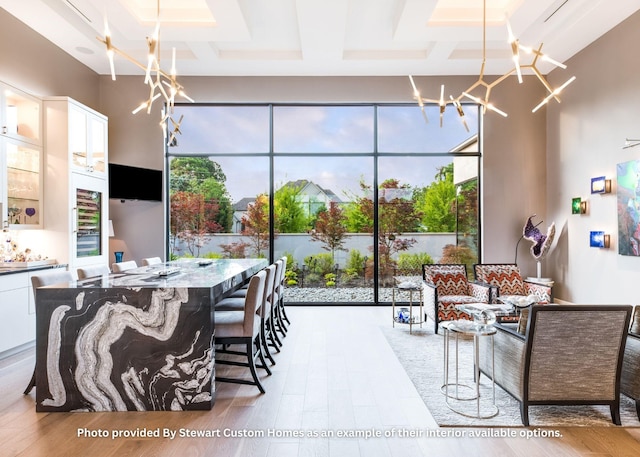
<point>322,25</point>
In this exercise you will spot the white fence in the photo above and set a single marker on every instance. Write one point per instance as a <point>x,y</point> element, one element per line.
<point>302,245</point>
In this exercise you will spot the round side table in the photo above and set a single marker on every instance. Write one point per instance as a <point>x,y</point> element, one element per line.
<point>457,393</point>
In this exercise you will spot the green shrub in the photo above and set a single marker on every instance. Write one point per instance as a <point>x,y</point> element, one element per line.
<point>330,279</point>
<point>291,277</point>
<point>355,262</point>
<point>408,262</point>
<point>320,264</point>
<point>212,255</point>
<point>290,262</point>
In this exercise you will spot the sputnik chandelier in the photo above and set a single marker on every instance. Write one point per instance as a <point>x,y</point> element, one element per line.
<point>161,83</point>
<point>484,101</point>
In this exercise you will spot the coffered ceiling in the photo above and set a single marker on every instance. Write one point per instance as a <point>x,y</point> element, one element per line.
<point>321,37</point>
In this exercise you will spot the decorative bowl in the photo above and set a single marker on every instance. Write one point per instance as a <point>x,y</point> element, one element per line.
<point>518,301</point>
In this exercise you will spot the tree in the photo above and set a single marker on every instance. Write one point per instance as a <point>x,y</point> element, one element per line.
<point>330,229</point>
<point>289,214</point>
<point>188,172</point>
<point>215,192</point>
<point>396,215</point>
<point>199,175</point>
<point>359,213</point>
<point>256,224</point>
<point>437,204</point>
<point>191,221</point>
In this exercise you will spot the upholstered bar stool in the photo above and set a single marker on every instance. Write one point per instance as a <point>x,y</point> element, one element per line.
<point>46,279</point>
<point>278,320</point>
<point>124,266</point>
<point>90,272</point>
<point>281,308</point>
<point>243,328</point>
<point>237,303</point>
<point>151,261</point>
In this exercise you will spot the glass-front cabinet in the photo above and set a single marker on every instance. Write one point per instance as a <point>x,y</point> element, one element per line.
<point>20,159</point>
<point>87,140</point>
<point>24,185</point>
<point>20,115</point>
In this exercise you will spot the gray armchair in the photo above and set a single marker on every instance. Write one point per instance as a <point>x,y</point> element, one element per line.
<point>630,383</point>
<point>568,355</point>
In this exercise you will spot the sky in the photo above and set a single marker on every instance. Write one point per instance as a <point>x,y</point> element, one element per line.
<point>341,135</point>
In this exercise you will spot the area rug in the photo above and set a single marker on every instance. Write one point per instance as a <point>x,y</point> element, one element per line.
<point>421,354</point>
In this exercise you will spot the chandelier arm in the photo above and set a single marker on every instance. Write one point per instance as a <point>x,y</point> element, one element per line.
<point>502,78</point>
<point>123,54</point>
<point>545,83</point>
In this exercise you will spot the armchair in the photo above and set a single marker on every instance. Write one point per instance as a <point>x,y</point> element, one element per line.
<point>563,358</point>
<point>444,287</point>
<point>630,383</point>
<point>505,279</point>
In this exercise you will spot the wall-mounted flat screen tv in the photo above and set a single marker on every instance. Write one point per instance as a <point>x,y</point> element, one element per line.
<point>134,183</point>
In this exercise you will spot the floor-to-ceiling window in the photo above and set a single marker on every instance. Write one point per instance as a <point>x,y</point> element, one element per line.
<point>352,195</point>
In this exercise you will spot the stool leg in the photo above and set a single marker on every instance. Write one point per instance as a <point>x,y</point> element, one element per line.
<point>32,383</point>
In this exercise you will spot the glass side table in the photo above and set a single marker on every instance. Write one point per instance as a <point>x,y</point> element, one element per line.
<point>458,394</point>
<point>406,315</point>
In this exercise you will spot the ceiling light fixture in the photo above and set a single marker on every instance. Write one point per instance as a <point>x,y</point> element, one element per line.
<point>154,77</point>
<point>516,47</point>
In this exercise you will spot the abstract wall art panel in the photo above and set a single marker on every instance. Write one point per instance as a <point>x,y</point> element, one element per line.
<point>628,197</point>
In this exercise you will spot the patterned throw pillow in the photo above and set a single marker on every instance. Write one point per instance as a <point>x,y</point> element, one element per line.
<point>506,277</point>
<point>635,321</point>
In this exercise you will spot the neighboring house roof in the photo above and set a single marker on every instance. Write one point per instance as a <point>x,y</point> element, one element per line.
<point>307,187</point>
<point>243,204</point>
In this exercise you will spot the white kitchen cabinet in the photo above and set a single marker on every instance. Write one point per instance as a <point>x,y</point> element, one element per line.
<point>76,183</point>
<point>17,324</point>
<point>21,160</point>
<point>20,115</point>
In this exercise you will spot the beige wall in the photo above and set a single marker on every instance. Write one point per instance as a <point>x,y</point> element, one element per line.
<point>35,65</point>
<point>585,135</point>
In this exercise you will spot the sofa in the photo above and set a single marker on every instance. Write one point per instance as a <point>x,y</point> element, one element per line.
<point>630,382</point>
<point>562,356</point>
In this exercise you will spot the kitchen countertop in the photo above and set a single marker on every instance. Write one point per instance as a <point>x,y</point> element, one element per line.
<point>12,270</point>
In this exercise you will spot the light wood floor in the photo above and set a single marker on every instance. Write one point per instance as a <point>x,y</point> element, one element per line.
<point>335,373</point>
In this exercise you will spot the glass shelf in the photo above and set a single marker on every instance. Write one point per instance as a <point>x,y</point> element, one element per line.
<point>24,190</point>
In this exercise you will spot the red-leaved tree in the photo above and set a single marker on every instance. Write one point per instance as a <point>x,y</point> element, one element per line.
<point>256,224</point>
<point>331,229</point>
<point>192,221</point>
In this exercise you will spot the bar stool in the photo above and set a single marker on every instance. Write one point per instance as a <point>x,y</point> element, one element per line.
<point>243,328</point>
<point>151,261</point>
<point>237,303</point>
<point>46,279</point>
<point>279,315</point>
<point>90,272</point>
<point>124,266</point>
